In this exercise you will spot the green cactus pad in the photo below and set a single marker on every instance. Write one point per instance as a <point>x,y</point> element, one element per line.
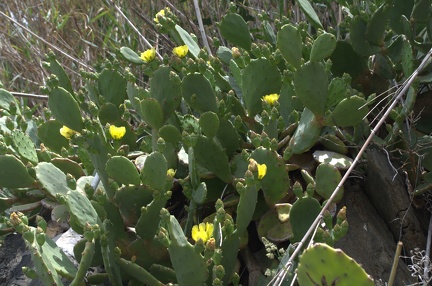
<point>52,179</point>
<point>55,68</point>
<point>259,78</point>
<point>306,134</point>
<point>149,219</point>
<point>108,254</point>
<point>215,161</point>
<point>228,137</point>
<point>122,170</point>
<point>349,112</point>
<point>272,228</point>
<point>170,134</point>
<point>198,93</point>
<point>131,56</point>
<point>377,25</point>
<point>321,264</point>
<point>209,123</point>
<point>345,60</point>
<point>24,145</point>
<point>190,266</point>
<point>235,30</point>
<point>79,248</point>
<point>65,108</point>
<point>303,212</point>
<point>193,47</point>
<point>276,172</point>
<point>154,171</point>
<point>311,82</point>
<point>13,173</point>
<point>327,178</point>
<point>337,160</point>
<point>81,209</point>
<point>246,208</point>
<point>358,38</point>
<point>149,251</point>
<point>407,59</point>
<point>109,113</point>
<point>6,98</point>
<point>112,86</point>
<point>68,166</point>
<point>130,199</point>
<point>152,113</point>
<point>49,135</point>
<point>337,91</point>
<point>165,87</point>
<point>323,47</point>
<point>400,8</point>
<point>289,42</point>
<point>332,143</point>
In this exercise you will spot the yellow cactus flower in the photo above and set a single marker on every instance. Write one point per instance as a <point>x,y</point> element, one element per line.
<point>148,55</point>
<point>117,133</point>
<point>161,13</point>
<point>171,173</point>
<point>181,51</point>
<point>271,99</point>
<point>262,171</point>
<point>203,231</point>
<point>66,132</point>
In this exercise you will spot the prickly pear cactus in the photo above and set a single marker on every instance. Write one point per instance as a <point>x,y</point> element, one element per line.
<point>321,264</point>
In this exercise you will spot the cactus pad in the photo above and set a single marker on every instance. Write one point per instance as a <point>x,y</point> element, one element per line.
<point>290,44</point>
<point>122,170</point>
<point>321,264</point>
<point>235,30</point>
<point>302,214</point>
<point>112,86</point>
<point>198,93</point>
<point>349,112</point>
<point>323,47</point>
<point>327,179</point>
<point>49,135</point>
<point>65,108</point>
<point>52,179</point>
<point>13,173</point>
<point>259,78</point>
<point>276,172</point>
<point>311,82</point>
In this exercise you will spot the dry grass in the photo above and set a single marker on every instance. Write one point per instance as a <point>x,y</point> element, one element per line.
<point>92,31</point>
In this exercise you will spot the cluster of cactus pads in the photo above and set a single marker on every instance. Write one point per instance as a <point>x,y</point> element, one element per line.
<point>257,133</point>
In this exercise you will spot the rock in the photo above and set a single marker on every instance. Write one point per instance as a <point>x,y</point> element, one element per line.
<point>388,193</point>
<point>13,256</point>
<point>369,240</point>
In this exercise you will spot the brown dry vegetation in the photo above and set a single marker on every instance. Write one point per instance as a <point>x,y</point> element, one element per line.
<point>91,31</point>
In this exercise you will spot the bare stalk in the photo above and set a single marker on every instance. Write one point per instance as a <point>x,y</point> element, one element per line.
<point>201,27</point>
<point>395,263</point>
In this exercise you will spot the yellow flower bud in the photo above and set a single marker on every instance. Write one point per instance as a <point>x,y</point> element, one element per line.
<point>67,132</point>
<point>148,55</point>
<point>117,133</point>
<point>271,99</point>
<point>181,51</point>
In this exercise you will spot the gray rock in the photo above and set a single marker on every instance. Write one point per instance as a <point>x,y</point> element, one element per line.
<point>13,256</point>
